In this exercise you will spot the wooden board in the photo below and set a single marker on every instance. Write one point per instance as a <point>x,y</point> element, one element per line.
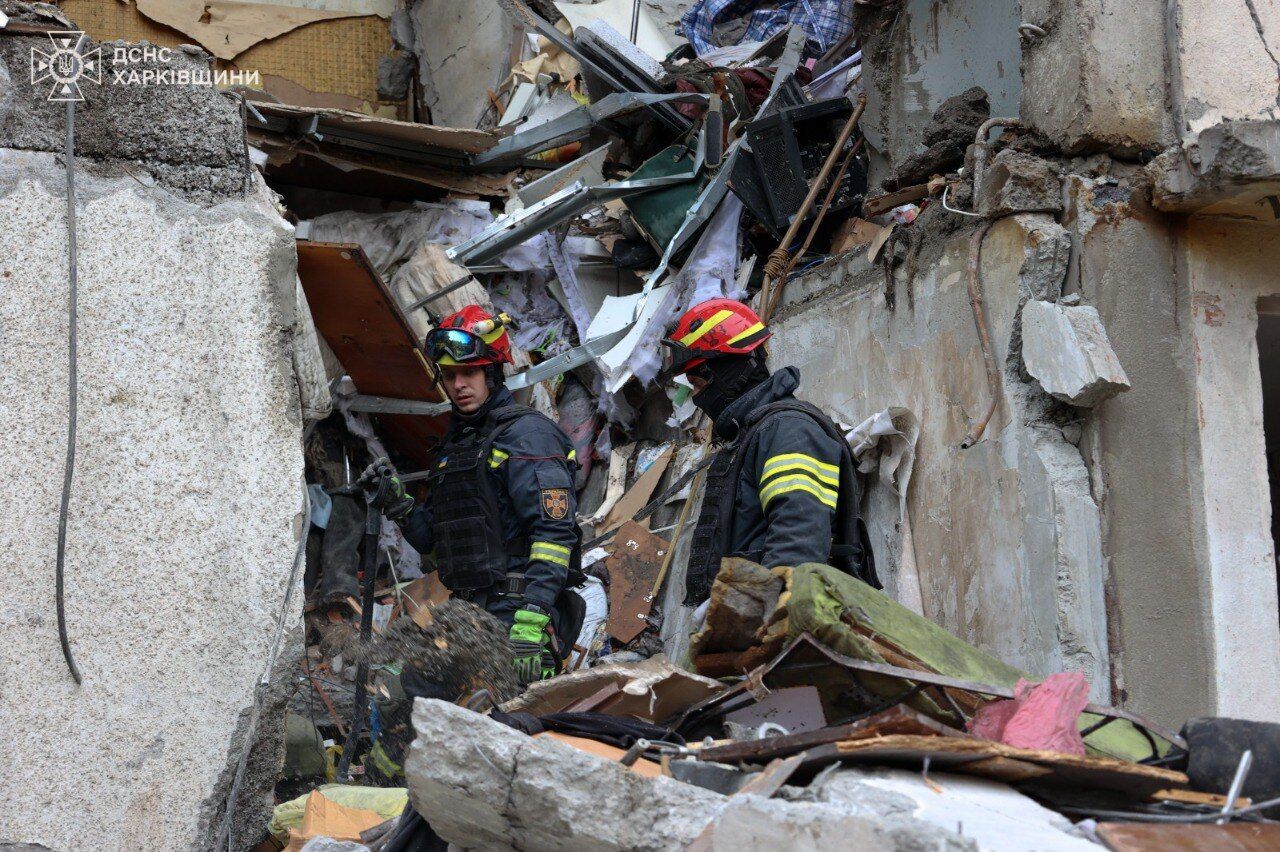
<point>895,720</point>
<point>636,559</point>
<point>1006,763</point>
<point>369,333</point>
<point>1158,837</point>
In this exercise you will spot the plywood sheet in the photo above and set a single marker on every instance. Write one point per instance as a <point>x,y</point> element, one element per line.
<point>361,322</point>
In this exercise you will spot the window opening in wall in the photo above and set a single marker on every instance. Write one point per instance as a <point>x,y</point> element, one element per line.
<point>1269,367</point>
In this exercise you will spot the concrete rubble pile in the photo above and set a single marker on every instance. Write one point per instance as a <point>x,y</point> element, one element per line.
<point>1025,309</point>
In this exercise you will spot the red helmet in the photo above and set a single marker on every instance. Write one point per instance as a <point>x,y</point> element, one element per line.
<point>472,336</point>
<point>712,329</point>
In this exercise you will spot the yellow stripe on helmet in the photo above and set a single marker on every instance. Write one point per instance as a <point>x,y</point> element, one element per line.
<point>755,329</point>
<point>716,318</point>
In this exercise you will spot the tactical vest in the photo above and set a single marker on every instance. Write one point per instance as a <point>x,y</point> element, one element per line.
<point>471,547</point>
<point>850,546</point>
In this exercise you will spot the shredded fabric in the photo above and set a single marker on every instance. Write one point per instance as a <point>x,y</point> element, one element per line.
<point>711,24</point>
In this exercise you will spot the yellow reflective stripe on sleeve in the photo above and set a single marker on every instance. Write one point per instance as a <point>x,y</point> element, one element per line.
<point>774,465</point>
<point>716,318</point>
<point>573,454</point>
<point>799,482</point>
<point>547,551</point>
<point>754,329</point>
<point>497,457</point>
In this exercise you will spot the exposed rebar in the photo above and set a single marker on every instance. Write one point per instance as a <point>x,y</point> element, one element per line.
<point>69,468</point>
<point>980,150</point>
<point>976,302</point>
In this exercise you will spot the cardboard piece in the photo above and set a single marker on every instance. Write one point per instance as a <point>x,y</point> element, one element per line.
<point>654,690</point>
<point>855,233</point>
<point>324,817</point>
<point>604,751</point>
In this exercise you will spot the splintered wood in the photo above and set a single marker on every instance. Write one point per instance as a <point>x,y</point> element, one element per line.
<point>637,556</point>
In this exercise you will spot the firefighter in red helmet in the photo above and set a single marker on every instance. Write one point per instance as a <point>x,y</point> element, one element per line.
<point>500,519</point>
<point>782,490</point>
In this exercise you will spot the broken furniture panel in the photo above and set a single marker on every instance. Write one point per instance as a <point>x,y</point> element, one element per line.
<point>637,557</point>
<point>359,319</point>
<point>895,720</point>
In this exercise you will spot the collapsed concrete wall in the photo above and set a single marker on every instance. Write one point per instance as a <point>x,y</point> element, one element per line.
<point>184,512</point>
<point>1007,537</point>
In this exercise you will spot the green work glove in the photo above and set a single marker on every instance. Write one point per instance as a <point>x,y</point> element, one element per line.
<point>529,639</point>
<point>390,497</point>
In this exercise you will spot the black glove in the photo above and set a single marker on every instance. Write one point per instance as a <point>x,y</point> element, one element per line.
<point>389,495</point>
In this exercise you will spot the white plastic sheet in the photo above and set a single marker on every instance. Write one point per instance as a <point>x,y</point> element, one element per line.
<point>597,599</point>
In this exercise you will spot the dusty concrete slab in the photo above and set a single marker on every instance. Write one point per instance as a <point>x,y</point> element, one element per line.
<point>1098,78</point>
<point>483,785</point>
<point>189,137</point>
<point>462,51</point>
<point>184,511</point>
<point>918,53</point>
<point>1232,168</point>
<point>1066,349</point>
<point>949,811</point>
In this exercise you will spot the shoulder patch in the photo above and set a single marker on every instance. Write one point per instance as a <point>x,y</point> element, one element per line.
<point>555,503</point>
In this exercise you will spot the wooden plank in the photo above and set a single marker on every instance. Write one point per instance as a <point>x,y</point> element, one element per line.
<point>594,700</point>
<point>1195,797</point>
<point>973,757</point>
<point>878,204</point>
<point>1158,837</point>
<point>895,720</point>
<point>366,329</point>
<point>777,773</point>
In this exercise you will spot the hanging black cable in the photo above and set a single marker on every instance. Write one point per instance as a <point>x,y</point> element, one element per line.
<point>69,469</point>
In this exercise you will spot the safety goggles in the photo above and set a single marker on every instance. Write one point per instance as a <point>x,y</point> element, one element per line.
<point>454,343</point>
<point>676,357</point>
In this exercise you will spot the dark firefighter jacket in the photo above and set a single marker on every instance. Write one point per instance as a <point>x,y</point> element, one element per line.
<point>530,469</point>
<point>793,478</point>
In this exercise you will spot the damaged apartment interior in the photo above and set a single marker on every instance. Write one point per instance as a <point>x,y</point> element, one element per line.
<point>1015,263</point>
